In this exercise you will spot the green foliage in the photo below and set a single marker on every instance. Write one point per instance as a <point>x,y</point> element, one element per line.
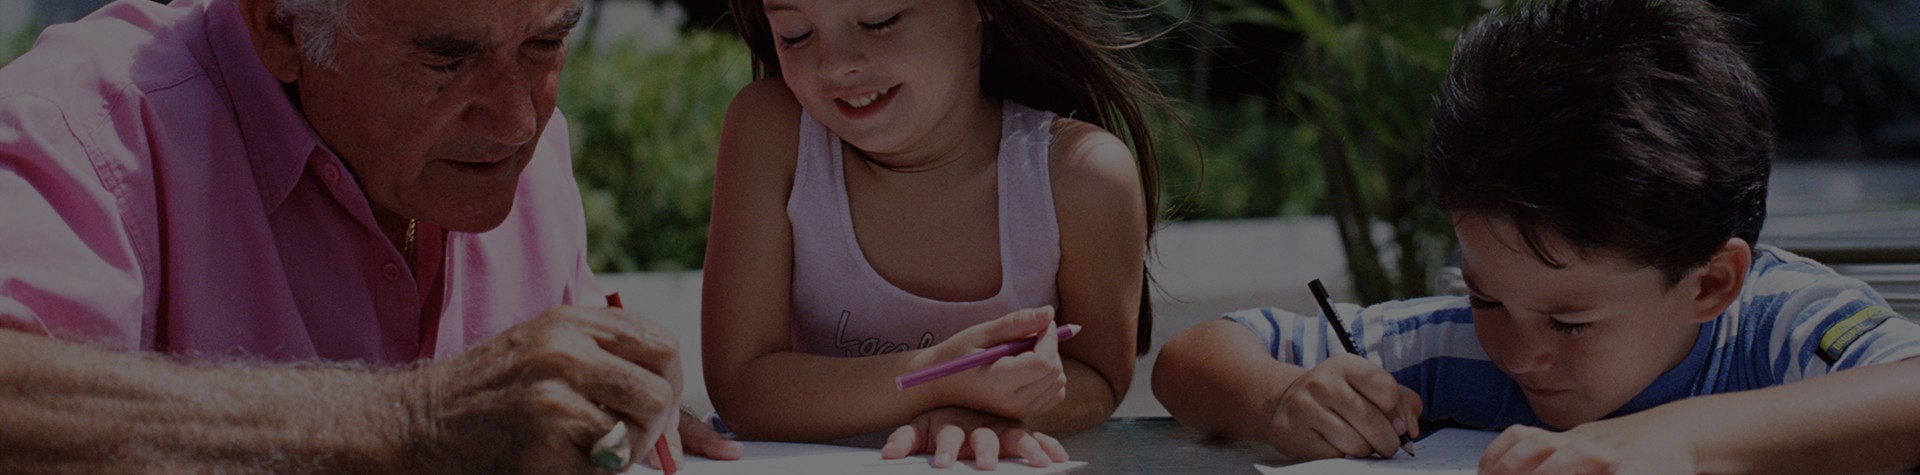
<point>14,44</point>
<point>646,125</point>
<point>1361,86</point>
<point>1254,165</point>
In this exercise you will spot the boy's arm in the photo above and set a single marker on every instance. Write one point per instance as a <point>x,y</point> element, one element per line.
<point>1217,377</point>
<point>1861,420</point>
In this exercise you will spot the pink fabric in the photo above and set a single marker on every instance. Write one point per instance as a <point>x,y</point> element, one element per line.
<point>843,307</point>
<point>161,193</point>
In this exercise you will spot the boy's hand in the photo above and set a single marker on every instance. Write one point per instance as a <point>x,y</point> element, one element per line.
<point>1344,406</point>
<point>1015,387</point>
<point>1630,444</point>
<point>952,433</point>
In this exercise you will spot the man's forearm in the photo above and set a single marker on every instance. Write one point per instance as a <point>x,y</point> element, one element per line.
<point>71,407</point>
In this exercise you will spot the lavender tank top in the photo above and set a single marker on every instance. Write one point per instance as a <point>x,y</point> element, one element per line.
<point>843,307</point>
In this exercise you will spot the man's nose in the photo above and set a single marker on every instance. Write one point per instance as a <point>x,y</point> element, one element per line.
<point>502,109</point>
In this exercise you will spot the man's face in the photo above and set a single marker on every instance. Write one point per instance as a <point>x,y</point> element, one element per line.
<point>437,105</point>
<point>1582,341</point>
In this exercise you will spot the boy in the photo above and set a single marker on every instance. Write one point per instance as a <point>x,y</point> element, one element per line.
<point>1604,164</point>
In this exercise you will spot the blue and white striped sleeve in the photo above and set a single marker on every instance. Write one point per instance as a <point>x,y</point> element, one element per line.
<point>1834,323</point>
<point>1394,334</point>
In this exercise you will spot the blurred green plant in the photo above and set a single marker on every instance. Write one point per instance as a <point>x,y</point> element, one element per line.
<point>16,43</point>
<point>646,125</point>
<point>1362,84</point>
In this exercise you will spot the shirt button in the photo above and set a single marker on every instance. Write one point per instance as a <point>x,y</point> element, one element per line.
<point>391,271</point>
<point>329,172</point>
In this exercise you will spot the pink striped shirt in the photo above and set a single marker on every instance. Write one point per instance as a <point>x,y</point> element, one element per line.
<point>158,191</point>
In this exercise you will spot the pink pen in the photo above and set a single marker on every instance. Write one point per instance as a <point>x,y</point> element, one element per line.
<point>944,368</point>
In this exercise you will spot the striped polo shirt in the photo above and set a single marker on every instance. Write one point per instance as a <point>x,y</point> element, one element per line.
<point>1794,320</point>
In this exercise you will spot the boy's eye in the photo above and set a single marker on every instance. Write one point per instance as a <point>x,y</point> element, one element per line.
<point>881,25</point>
<point>1478,303</point>
<point>794,40</point>
<point>1567,328</point>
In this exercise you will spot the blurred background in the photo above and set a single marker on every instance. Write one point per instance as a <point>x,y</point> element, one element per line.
<point>1309,115</point>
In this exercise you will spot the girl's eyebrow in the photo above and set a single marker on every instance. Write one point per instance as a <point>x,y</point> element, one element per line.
<point>781,7</point>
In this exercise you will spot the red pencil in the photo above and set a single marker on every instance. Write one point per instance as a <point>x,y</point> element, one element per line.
<point>661,452</point>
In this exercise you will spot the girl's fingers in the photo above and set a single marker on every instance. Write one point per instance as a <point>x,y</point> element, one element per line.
<point>1051,446</point>
<point>986,448</point>
<point>946,445</point>
<point>901,443</point>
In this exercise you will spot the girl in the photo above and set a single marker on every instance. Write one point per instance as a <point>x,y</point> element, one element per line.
<point>905,186</point>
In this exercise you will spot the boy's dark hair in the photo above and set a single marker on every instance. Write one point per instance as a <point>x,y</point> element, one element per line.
<point>1064,56</point>
<point>1633,126</point>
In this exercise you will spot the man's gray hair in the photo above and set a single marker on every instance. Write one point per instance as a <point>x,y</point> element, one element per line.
<point>318,23</point>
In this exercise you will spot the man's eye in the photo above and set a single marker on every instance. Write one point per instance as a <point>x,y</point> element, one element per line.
<point>447,66</point>
<point>547,44</point>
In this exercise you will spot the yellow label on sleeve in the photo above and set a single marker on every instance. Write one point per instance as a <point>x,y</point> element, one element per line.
<point>1842,334</point>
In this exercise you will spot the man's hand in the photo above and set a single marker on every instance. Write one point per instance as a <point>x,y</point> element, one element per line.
<point>537,397</point>
<point>952,433</point>
<point>1344,406</point>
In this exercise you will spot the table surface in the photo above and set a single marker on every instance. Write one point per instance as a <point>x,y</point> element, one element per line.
<point>1146,445</point>
<point>1161,445</point>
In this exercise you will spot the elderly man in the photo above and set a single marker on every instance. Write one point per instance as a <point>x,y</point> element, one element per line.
<point>294,201</point>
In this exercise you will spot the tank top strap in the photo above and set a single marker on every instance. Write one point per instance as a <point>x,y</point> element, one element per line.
<point>1029,229</point>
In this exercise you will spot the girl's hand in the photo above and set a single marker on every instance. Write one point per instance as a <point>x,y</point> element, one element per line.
<point>1630,444</point>
<point>950,433</point>
<point>1015,387</point>
<point>1344,406</point>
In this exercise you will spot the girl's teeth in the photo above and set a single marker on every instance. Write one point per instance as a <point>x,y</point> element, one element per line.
<point>863,101</point>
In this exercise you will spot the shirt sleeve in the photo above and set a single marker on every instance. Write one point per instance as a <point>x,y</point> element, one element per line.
<point>1394,334</point>
<point>1843,325</point>
<point>69,267</point>
<point>1427,344</point>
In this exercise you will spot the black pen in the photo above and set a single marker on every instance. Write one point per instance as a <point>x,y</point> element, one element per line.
<point>1346,339</point>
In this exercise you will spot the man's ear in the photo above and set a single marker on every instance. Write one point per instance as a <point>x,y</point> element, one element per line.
<point>273,39</point>
<point>1721,279</point>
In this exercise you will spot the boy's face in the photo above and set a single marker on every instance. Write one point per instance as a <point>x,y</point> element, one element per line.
<point>1581,340</point>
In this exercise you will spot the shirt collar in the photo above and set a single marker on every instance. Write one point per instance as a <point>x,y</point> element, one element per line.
<point>278,139</point>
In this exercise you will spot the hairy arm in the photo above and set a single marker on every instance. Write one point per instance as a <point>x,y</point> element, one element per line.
<point>71,407</point>
<point>532,399</point>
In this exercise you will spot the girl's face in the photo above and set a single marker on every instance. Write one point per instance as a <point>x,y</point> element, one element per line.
<point>882,74</point>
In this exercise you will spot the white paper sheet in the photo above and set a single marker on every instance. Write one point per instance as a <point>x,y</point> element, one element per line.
<point>776,458</point>
<point>1447,451</point>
